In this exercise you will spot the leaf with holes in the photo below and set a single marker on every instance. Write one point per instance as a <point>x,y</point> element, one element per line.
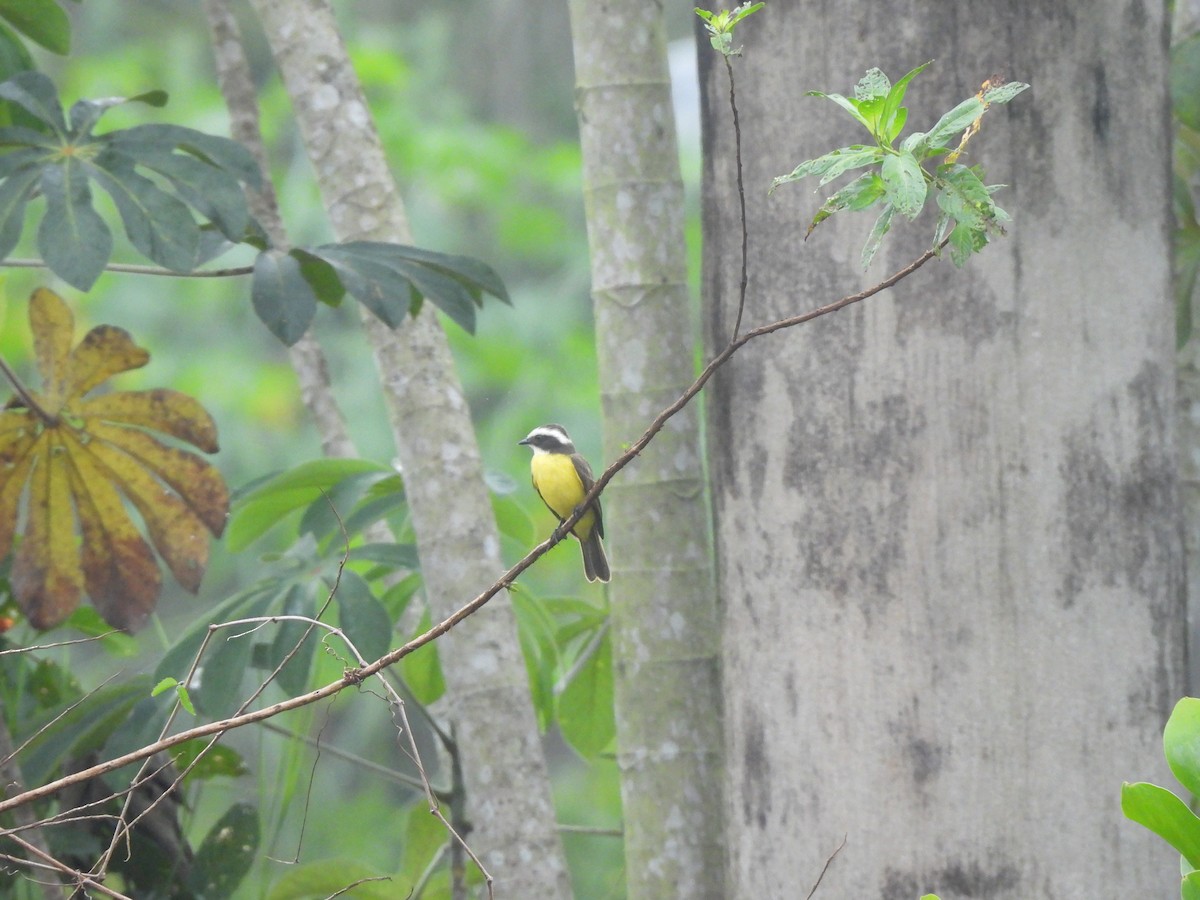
<point>75,464</point>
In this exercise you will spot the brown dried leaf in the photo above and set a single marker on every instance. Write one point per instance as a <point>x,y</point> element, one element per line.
<point>78,463</point>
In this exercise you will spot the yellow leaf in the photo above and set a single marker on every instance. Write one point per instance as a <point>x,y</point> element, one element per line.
<point>77,463</point>
<point>46,577</point>
<point>177,533</point>
<point>53,327</point>
<point>119,569</point>
<point>197,483</point>
<point>164,410</point>
<point>105,351</point>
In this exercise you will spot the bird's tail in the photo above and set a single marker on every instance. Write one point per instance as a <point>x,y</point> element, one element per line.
<point>595,563</point>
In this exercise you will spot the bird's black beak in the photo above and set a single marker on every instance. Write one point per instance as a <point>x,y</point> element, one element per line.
<point>522,441</point>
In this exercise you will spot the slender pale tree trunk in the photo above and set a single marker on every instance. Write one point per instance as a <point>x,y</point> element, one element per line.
<point>509,803</point>
<point>946,520</point>
<point>665,629</point>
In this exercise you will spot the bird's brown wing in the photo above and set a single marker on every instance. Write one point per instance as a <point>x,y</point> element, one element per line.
<point>585,475</point>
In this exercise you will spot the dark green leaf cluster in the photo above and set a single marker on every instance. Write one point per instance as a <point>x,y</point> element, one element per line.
<point>897,178</point>
<point>155,174</point>
<point>179,195</point>
<point>391,280</point>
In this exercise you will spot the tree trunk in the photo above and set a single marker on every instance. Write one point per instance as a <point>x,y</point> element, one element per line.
<point>946,519</point>
<point>664,616</point>
<point>508,788</point>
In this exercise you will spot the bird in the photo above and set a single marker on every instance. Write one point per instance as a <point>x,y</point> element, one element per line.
<point>562,478</point>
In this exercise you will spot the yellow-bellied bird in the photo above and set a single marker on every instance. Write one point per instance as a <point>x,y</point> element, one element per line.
<point>562,477</point>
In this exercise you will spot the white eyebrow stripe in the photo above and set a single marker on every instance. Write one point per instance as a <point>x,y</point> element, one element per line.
<point>549,431</point>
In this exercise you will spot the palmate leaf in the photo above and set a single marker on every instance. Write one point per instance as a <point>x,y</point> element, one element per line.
<point>79,462</point>
<point>159,176</point>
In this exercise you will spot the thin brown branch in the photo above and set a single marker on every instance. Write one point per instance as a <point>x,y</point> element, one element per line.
<point>26,396</point>
<point>133,269</point>
<point>825,868</point>
<point>79,878</point>
<point>355,677</point>
<point>741,188</point>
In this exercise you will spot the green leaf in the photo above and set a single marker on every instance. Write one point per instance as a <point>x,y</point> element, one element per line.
<point>72,239</point>
<point>872,86</point>
<point>831,165</point>
<point>217,760</point>
<point>964,242</point>
<point>79,730</point>
<point>212,191</point>
<point>952,123</point>
<point>1166,815</point>
<point>42,21</point>
<point>14,58</point>
<point>259,509</point>
<point>328,878</point>
<point>1190,888</point>
<point>390,279</point>
<point>893,115</point>
<point>472,273</point>
<point>394,556</point>
<point>35,93</point>
<point>845,104</point>
<point>282,296</point>
<point>424,836</point>
<point>165,685</point>
<point>149,141</point>
<point>293,677</point>
<point>904,183</point>
<point>1185,81</point>
<point>863,191</point>
<point>157,224</point>
<point>321,277</point>
<point>227,853</point>
<point>1181,743</point>
<point>225,664</point>
<point>1187,268</point>
<point>536,633</point>
<point>585,707</point>
<point>875,238</point>
<point>15,192</point>
<point>422,669</point>
<point>513,519</point>
<point>963,197</point>
<point>362,617</point>
<point>86,620</point>
<point>1003,93</point>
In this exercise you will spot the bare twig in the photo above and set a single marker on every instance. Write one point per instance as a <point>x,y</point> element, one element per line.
<point>737,147</point>
<point>49,862</point>
<point>825,868</point>
<point>133,269</point>
<point>26,396</point>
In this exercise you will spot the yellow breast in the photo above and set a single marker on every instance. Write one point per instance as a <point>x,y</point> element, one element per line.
<point>555,479</point>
